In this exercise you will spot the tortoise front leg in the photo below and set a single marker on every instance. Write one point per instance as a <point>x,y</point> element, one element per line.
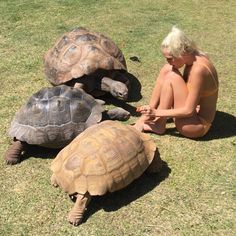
<point>54,181</point>
<point>76,214</point>
<point>14,152</point>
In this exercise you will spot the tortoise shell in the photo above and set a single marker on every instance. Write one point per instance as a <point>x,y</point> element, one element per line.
<point>81,52</point>
<point>54,116</point>
<point>104,158</point>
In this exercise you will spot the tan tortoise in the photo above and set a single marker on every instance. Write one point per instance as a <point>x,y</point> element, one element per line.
<point>104,158</point>
<point>89,60</point>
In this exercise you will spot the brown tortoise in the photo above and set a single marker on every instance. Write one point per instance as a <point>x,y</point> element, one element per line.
<point>53,117</point>
<point>89,60</point>
<point>104,158</point>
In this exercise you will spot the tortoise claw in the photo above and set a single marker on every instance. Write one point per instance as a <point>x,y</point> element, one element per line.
<point>54,182</point>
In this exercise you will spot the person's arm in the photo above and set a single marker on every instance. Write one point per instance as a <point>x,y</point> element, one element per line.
<point>197,79</point>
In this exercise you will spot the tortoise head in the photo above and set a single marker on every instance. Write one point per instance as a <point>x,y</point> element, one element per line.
<point>116,88</point>
<point>119,90</point>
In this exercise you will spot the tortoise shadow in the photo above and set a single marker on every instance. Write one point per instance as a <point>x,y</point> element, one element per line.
<point>119,103</point>
<point>40,152</point>
<point>135,91</point>
<point>223,126</point>
<point>139,187</point>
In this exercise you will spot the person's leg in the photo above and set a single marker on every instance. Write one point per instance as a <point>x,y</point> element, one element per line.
<point>173,94</point>
<point>155,98</point>
<point>191,127</point>
<point>158,125</point>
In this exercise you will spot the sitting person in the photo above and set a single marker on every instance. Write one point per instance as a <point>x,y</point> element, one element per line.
<point>189,98</point>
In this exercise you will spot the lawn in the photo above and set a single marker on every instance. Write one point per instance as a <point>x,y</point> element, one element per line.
<point>195,194</point>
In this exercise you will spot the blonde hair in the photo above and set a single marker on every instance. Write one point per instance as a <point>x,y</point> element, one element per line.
<point>176,42</point>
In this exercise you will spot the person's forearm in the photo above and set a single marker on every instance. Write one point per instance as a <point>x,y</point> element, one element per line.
<point>178,112</point>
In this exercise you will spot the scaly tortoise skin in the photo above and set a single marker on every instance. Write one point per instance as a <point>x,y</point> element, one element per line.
<point>53,117</point>
<point>89,60</point>
<point>104,158</point>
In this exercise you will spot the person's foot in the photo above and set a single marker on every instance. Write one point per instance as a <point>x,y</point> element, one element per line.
<point>157,127</point>
<point>138,125</point>
<point>153,128</point>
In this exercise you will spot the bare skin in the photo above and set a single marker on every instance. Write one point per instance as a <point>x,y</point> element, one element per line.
<point>172,98</point>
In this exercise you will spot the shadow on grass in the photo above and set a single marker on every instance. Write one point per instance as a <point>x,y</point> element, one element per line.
<point>135,91</point>
<point>223,126</point>
<point>39,152</point>
<point>118,199</point>
<point>118,103</point>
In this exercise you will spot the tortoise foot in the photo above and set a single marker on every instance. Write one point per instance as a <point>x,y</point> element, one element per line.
<point>74,220</point>
<point>12,160</point>
<point>75,216</point>
<point>14,153</point>
<point>54,181</point>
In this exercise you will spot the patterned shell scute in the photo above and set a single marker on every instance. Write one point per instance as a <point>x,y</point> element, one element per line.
<point>52,117</point>
<point>105,157</point>
<point>81,52</point>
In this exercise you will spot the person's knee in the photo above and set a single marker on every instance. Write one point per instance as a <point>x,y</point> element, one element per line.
<point>170,75</point>
<point>166,72</point>
<point>166,69</point>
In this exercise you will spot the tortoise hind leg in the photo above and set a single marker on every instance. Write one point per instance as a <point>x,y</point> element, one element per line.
<point>75,216</point>
<point>14,152</point>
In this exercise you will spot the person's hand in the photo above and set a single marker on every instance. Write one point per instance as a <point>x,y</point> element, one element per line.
<point>148,111</point>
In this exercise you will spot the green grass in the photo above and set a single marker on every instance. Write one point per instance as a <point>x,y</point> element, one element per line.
<point>195,195</point>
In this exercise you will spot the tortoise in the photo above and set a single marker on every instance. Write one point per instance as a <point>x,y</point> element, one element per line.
<point>104,158</point>
<point>89,60</point>
<point>53,117</point>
